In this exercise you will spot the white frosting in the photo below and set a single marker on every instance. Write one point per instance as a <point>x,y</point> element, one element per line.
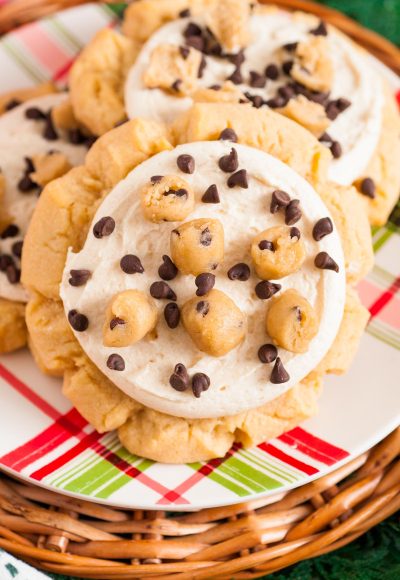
<point>238,380</point>
<point>19,138</point>
<point>357,129</point>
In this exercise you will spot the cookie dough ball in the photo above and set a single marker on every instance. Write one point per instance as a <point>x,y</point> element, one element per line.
<point>198,246</point>
<point>129,317</point>
<point>167,198</point>
<point>292,322</point>
<point>278,252</point>
<point>214,322</point>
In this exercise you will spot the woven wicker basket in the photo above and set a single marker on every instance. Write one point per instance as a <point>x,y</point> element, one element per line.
<point>79,538</point>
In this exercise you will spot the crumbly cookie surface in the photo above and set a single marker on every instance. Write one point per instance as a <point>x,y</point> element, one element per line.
<point>68,205</point>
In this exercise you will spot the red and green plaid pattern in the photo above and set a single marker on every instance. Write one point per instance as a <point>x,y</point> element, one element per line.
<point>56,447</point>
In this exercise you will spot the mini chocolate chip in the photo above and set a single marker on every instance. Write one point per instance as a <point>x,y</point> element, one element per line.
<point>272,72</point>
<point>236,77</point>
<point>35,114</point>
<point>104,227</point>
<point>325,262</point>
<point>204,282</point>
<point>238,179</point>
<point>131,264</point>
<point>266,289</point>
<point>172,314</point>
<point>322,228</point>
<point>256,100</point>
<point>342,104</point>
<point>332,110</point>
<point>156,179</point>
<point>336,149</point>
<point>79,277</point>
<point>287,66</point>
<point>192,29</point>
<point>115,362</point>
<point>266,245</point>
<point>186,163</point>
<point>5,261</point>
<point>211,195</point>
<point>89,141</point>
<point>290,46</point>
<point>184,52</point>
<point>176,192</point>
<point>276,103</point>
<point>203,307</point>
<point>325,138</point>
<point>114,322</point>
<point>202,67</point>
<point>76,137</point>
<point>13,274</point>
<point>368,187</point>
<point>179,380</point>
<point>267,353</point>
<point>279,200</point>
<point>237,59</point>
<point>295,233</point>
<point>215,87</point>
<point>228,135</point>
<point>286,92</point>
<point>78,321</point>
<point>161,290</point>
<point>26,184</point>
<point>205,237</point>
<point>184,13</point>
<point>293,212</point>
<point>279,374</point>
<point>299,314</point>
<point>12,103</point>
<point>240,272</point>
<point>49,131</point>
<point>200,383</point>
<point>229,163</point>
<point>196,42</point>
<point>10,232</point>
<point>257,80</point>
<point>320,30</point>
<point>16,248</point>
<point>167,270</point>
<point>176,85</point>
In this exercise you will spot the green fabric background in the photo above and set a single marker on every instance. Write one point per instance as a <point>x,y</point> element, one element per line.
<point>376,555</point>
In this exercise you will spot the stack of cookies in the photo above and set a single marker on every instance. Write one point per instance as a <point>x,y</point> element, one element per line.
<point>183,232</point>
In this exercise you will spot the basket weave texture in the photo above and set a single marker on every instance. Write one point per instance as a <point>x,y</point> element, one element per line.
<point>248,540</point>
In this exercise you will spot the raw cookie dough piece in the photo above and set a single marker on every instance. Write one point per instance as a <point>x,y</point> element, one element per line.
<point>291,321</point>
<point>13,331</point>
<point>229,22</point>
<point>313,66</point>
<point>214,322</point>
<point>49,166</point>
<point>260,128</point>
<point>342,352</point>
<point>310,115</point>
<point>277,252</point>
<point>352,222</point>
<point>173,68</point>
<point>198,246</point>
<point>97,78</point>
<point>168,198</point>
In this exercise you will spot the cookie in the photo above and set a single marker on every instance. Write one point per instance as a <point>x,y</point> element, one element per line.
<point>311,73</point>
<point>35,149</point>
<point>77,209</point>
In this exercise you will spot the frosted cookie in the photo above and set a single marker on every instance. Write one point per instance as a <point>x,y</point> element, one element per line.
<point>200,291</point>
<point>233,51</point>
<point>38,143</point>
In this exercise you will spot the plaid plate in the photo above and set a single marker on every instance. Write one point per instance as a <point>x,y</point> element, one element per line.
<point>54,446</point>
